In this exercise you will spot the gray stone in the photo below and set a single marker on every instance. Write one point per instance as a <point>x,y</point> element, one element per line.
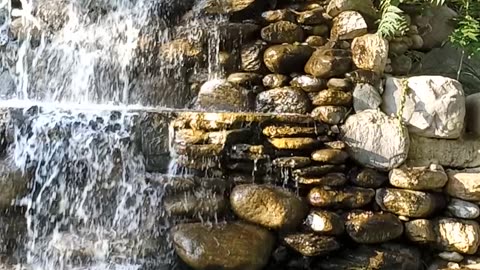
<point>401,65</point>
<point>472,119</point>
<point>435,27</point>
<point>434,105</point>
<point>366,97</point>
<point>460,153</point>
<point>270,206</point>
<point>200,202</point>
<point>348,25</point>
<point>375,140</point>
<point>283,100</point>
<point>198,244</point>
<point>7,85</point>
<point>340,84</point>
<point>463,209</point>
<point>451,256</point>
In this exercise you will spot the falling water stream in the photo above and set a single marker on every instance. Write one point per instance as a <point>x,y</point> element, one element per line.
<point>91,205</point>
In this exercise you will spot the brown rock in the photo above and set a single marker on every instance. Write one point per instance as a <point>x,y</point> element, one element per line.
<point>368,178</point>
<point>330,156</point>
<point>312,16</point>
<point>272,16</point>
<point>332,97</point>
<point>293,143</point>
<point>418,178</point>
<point>276,131</point>
<point>271,81</point>
<point>458,235</point>
<point>420,231</point>
<point>348,25</point>
<point>349,197</point>
<point>308,83</point>
<point>309,244</point>
<point>464,184</point>
<point>270,206</point>
<point>370,52</point>
<point>332,115</point>
<point>321,170</point>
<point>330,179</point>
<point>291,162</point>
<point>282,32</point>
<point>287,58</point>
<point>251,56</point>
<point>316,41</point>
<point>373,228</point>
<point>197,244</point>
<point>326,63</point>
<point>408,202</point>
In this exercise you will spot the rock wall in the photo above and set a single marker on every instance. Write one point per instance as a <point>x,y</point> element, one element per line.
<point>330,154</point>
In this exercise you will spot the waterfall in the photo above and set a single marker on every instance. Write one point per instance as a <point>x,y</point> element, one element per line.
<point>81,70</point>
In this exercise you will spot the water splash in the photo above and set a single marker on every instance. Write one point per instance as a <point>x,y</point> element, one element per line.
<point>90,202</point>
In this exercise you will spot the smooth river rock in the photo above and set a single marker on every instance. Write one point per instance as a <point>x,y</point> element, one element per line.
<point>222,95</point>
<point>419,178</point>
<point>349,197</point>
<point>270,206</point>
<point>293,143</point>
<point>372,228</point>
<point>330,179</point>
<point>434,105</point>
<point>271,81</point>
<point>245,246</point>
<point>330,156</point>
<point>308,83</point>
<point>333,98</point>
<point>409,203</point>
<point>420,231</point>
<point>326,63</point>
<point>376,140</point>
<point>463,209</point>
<point>365,7</point>
<point>287,58</point>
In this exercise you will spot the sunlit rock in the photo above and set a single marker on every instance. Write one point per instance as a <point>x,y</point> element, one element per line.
<point>269,206</point>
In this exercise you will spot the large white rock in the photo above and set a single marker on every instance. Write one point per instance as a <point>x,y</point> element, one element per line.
<point>472,117</point>
<point>376,140</point>
<point>460,153</point>
<point>434,105</point>
<point>348,25</point>
<point>370,52</point>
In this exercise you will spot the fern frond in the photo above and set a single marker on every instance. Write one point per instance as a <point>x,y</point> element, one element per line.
<point>393,21</point>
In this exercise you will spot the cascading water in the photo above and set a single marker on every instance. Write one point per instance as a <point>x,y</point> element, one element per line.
<point>91,205</point>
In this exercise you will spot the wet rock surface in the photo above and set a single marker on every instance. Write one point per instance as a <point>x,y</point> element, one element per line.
<point>372,228</point>
<point>309,244</point>
<point>350,197</point>
<point>247,245</point>
<point>408,202</point>
<point>269,206</point>
<point>283,100</point>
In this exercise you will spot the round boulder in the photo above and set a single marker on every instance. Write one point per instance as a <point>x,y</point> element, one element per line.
<point>419,178</point>
<point>409,203</point>
<point>270,206</point>
<point>222,95</point>
<point>309,244</point>
<point>325,222</point>
<point>247,246</point>
<point>349,197</point>
<point>287,58</point>
<point>282,32</point>
<point>332,115</point>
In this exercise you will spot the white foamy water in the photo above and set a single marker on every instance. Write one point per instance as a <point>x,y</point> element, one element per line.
<point>91,206</point>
